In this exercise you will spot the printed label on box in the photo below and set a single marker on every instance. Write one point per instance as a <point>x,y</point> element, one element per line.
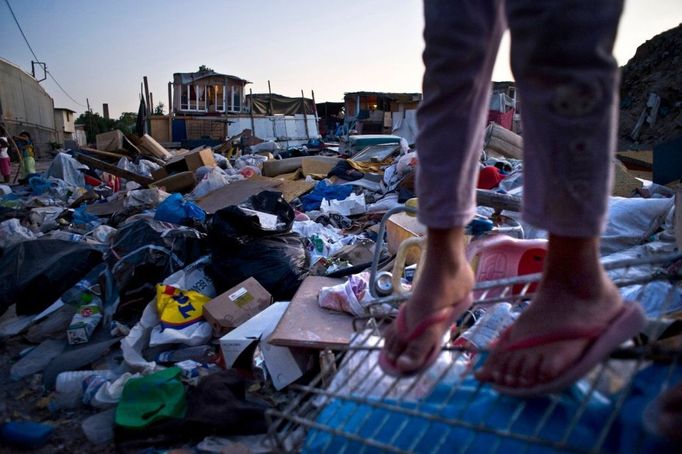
<point>241,297</point>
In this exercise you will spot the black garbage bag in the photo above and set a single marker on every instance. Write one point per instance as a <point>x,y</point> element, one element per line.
<point>34,274</point>
<point>236,221</point>
<point>218,406</point>
<point>278,262</point>
<point>242,248</point>
<point>143,253</point>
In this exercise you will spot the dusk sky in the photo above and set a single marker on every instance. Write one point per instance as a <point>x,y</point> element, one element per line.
<point>101,50</point>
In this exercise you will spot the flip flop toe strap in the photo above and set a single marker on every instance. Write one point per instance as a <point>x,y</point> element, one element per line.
<point>550,338</point>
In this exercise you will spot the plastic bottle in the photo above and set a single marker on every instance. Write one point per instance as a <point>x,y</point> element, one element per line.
<point>69,386</point>
<point>37,359</point>
<point>487,328</point>
<point>62,235</point>
<point>200,353</point>
<point>99,428</point>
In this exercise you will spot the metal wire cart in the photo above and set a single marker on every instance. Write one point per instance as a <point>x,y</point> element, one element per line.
<point>352,407</point>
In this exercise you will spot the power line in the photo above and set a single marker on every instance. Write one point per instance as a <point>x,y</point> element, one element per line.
<point>36,57</point>
<point>20,29</point>
<point>62,89</point>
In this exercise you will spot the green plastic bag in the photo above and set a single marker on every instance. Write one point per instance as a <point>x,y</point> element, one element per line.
<point>148,399</point>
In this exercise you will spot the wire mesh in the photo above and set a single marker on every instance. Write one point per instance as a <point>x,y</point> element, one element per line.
<point>443,409</point>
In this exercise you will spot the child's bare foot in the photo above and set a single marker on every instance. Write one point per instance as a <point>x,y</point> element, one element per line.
<point>446,280</point>
<point>575,292</point>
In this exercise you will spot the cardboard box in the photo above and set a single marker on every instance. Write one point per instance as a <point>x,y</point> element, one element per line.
<point>181,182</point>
<point>285,365</point>
<point>110,141</point>
<point>237,305</point>
<point>153,147</point>
<point>186,161</point>
<point>400,227</point>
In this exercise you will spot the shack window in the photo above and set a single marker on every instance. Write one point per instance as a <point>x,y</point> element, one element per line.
<point>196,98</point>
<point>237,99</point>
<point>184,96</point>
<point>219,98</point>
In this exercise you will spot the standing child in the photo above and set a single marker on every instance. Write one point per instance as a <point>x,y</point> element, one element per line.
<point>5,168</point>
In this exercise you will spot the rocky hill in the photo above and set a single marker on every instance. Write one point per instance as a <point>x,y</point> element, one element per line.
<point>655,68</point>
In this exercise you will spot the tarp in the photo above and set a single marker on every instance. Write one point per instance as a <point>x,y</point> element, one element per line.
<point>281,105</point>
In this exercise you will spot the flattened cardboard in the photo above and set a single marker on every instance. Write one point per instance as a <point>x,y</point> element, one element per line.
<point>293,189</point>
<point>237,305</point>
<point>283,364</point>
<point>318,165</point>
<point>235,193</point>
<point>236,341</point>
<point>306,324</point>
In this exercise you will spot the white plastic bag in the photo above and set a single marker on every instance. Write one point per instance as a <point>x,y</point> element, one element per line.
<point>214,179</point>
<point>193,277</point>
<point>353,204</point>
<point>353,297</point>
<point>64,167</point>
<point>196,334</point>
<point>12,232</point>
<point>631,221</point>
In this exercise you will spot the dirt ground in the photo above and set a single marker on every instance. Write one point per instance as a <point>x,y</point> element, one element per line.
<point>28,400</point>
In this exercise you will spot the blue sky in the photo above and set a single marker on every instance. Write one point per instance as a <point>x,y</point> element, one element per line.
<point>101,50</point>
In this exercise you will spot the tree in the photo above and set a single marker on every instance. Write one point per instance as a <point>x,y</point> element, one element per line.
<point>126,122</point>
<point>204,68</point>
<point>158,110</point>
<point>94,124</point>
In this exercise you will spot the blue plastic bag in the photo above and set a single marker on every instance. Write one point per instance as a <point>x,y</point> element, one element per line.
<point>82,217</point>
<point>39,184</point>
<point>322,190</point>
<point>178,211</point>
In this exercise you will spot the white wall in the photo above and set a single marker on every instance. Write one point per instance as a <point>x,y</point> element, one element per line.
<point>289,130</point>
<point>26,106</point>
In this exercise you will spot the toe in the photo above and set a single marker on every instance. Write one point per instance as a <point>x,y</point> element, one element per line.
<point>550,367</point>
<point>512,373</point>
<point>529,371</point>
<point>502,373</point>
<point>415,355</point>
<point>485,372</point>
<point>393,343</point>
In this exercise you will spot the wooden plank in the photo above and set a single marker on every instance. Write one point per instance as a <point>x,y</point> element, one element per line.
<point>306,324</point>
<point>237,192</point>
<point>112,169</point>
<point>641,160</point>
<point>106,208</point>
<point>152,146</point>
<point>500,202</point>
<point>105,154</point>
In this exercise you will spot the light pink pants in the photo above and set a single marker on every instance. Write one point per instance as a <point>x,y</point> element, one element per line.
<point>567,81</point>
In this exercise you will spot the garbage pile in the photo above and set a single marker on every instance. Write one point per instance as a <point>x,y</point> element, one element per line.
<point>651,97</point>
<point>161,297</point>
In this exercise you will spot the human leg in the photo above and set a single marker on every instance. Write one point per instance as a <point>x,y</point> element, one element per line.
<point>461,44</point>
<point>568,82</point>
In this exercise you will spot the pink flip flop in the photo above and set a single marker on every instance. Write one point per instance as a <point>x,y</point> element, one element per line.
<point>629,321</point>
<point>446,315</point>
